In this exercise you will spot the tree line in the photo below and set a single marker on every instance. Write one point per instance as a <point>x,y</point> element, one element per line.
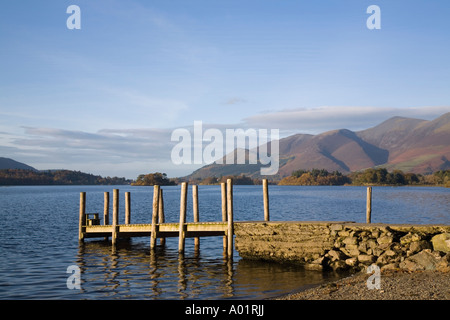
<point>237,180</point>
<point>152,179</point>
<point>20,177</point>
<point>314,177</point>
<point>371,176</point>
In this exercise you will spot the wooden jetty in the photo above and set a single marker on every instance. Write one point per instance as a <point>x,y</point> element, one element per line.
<point>90,227</point>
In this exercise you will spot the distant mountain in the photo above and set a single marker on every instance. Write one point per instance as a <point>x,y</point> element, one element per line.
<point>411,145</point>
<point>340,150</point>
<point>414,145</point>
<point>7,163</point>
<point>219,170</point>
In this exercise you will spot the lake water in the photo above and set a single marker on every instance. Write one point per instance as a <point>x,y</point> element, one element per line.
<point>39,240</point>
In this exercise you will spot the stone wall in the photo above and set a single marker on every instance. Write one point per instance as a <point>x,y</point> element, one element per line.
<point>345,245</point>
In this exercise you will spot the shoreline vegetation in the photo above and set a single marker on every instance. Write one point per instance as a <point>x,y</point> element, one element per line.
<point>321,177</point>
<point>314,177</point>
<point>25,177</point>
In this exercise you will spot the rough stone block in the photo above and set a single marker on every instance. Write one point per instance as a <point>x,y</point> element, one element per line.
<point>441,242</point>
<point>366,259</point>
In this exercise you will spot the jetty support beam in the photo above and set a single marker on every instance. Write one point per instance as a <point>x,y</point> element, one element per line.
<point>82,218</point>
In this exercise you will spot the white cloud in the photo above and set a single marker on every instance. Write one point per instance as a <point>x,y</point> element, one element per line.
<point>48,148</point>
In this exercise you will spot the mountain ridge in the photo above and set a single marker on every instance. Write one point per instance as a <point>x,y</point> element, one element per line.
<point>408,144</point>
<point>8,163</point>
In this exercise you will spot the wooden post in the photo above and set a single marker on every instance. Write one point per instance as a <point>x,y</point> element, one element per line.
<point>155,214</point>
<point>82,217</point>
<point>161,218</point>
<point>195,210</point>
<point>127,208</point>
<point>223,186</point>
<point>230,217</point>
<point>115,218</point>
<point>106,209</point>
<point>266,200</point>
<point>182,233</point>
<point>369,205</point>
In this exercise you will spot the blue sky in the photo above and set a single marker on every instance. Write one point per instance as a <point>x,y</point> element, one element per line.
<point>104,99</point>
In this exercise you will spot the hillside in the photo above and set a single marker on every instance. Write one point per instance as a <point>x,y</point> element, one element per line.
<point>14,173</point>
<point>340,150</point>
<point>411,145</point>
<point>414,145</point>
<point>23,177</point>
<point>7,163</point>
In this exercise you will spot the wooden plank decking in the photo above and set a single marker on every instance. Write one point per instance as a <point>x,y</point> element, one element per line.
<point>90,227</point>
<point>164,230</point>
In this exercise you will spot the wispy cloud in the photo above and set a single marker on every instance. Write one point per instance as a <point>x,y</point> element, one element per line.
<point>316,120</point>
<point>131,152</point>
<point>122,145</point>
<point>134,151</point>
<point>235,100</point>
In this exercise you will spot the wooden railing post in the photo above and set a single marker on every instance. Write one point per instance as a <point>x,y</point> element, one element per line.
<point>155,213</point>
<point>161,217</point>
<point>230,217</point>
<point>223,186</point>
<point>196,213</point>
<point>106,209</point>
<point>82,217</point>
<point>369,205</point>
<point>266,200</point>
<point>182,233</point>
<point>115,218</point>
<point>127,208</point>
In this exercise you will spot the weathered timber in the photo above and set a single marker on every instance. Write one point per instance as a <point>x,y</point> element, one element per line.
<point>127,208</point>
<point>91,228</point>
<point>230,230</point>
<point>195,210</point>
<point>223,188</point>
<point>115,218</point>
<point>266,200</point>
<point>155,213</point>
<point>181,230</point>
<point>161,217</point>
<point>369,205</point>
<point>82,216</point>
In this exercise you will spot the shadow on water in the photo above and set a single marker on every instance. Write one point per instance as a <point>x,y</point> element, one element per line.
<point>130,271</point>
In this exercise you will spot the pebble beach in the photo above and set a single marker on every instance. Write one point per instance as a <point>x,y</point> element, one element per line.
<point>394,285</point>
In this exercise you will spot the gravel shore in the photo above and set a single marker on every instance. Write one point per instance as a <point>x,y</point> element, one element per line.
<point>394,285</point>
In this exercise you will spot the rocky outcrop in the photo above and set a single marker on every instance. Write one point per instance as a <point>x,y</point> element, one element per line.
<point>345,245</point>
<point>426,260</point>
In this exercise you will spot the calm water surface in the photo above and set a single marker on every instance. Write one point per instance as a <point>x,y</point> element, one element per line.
<point>39,240</point>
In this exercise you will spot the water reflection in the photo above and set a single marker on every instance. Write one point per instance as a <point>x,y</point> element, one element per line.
<point>131,271</point>
<point>38,241</point>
